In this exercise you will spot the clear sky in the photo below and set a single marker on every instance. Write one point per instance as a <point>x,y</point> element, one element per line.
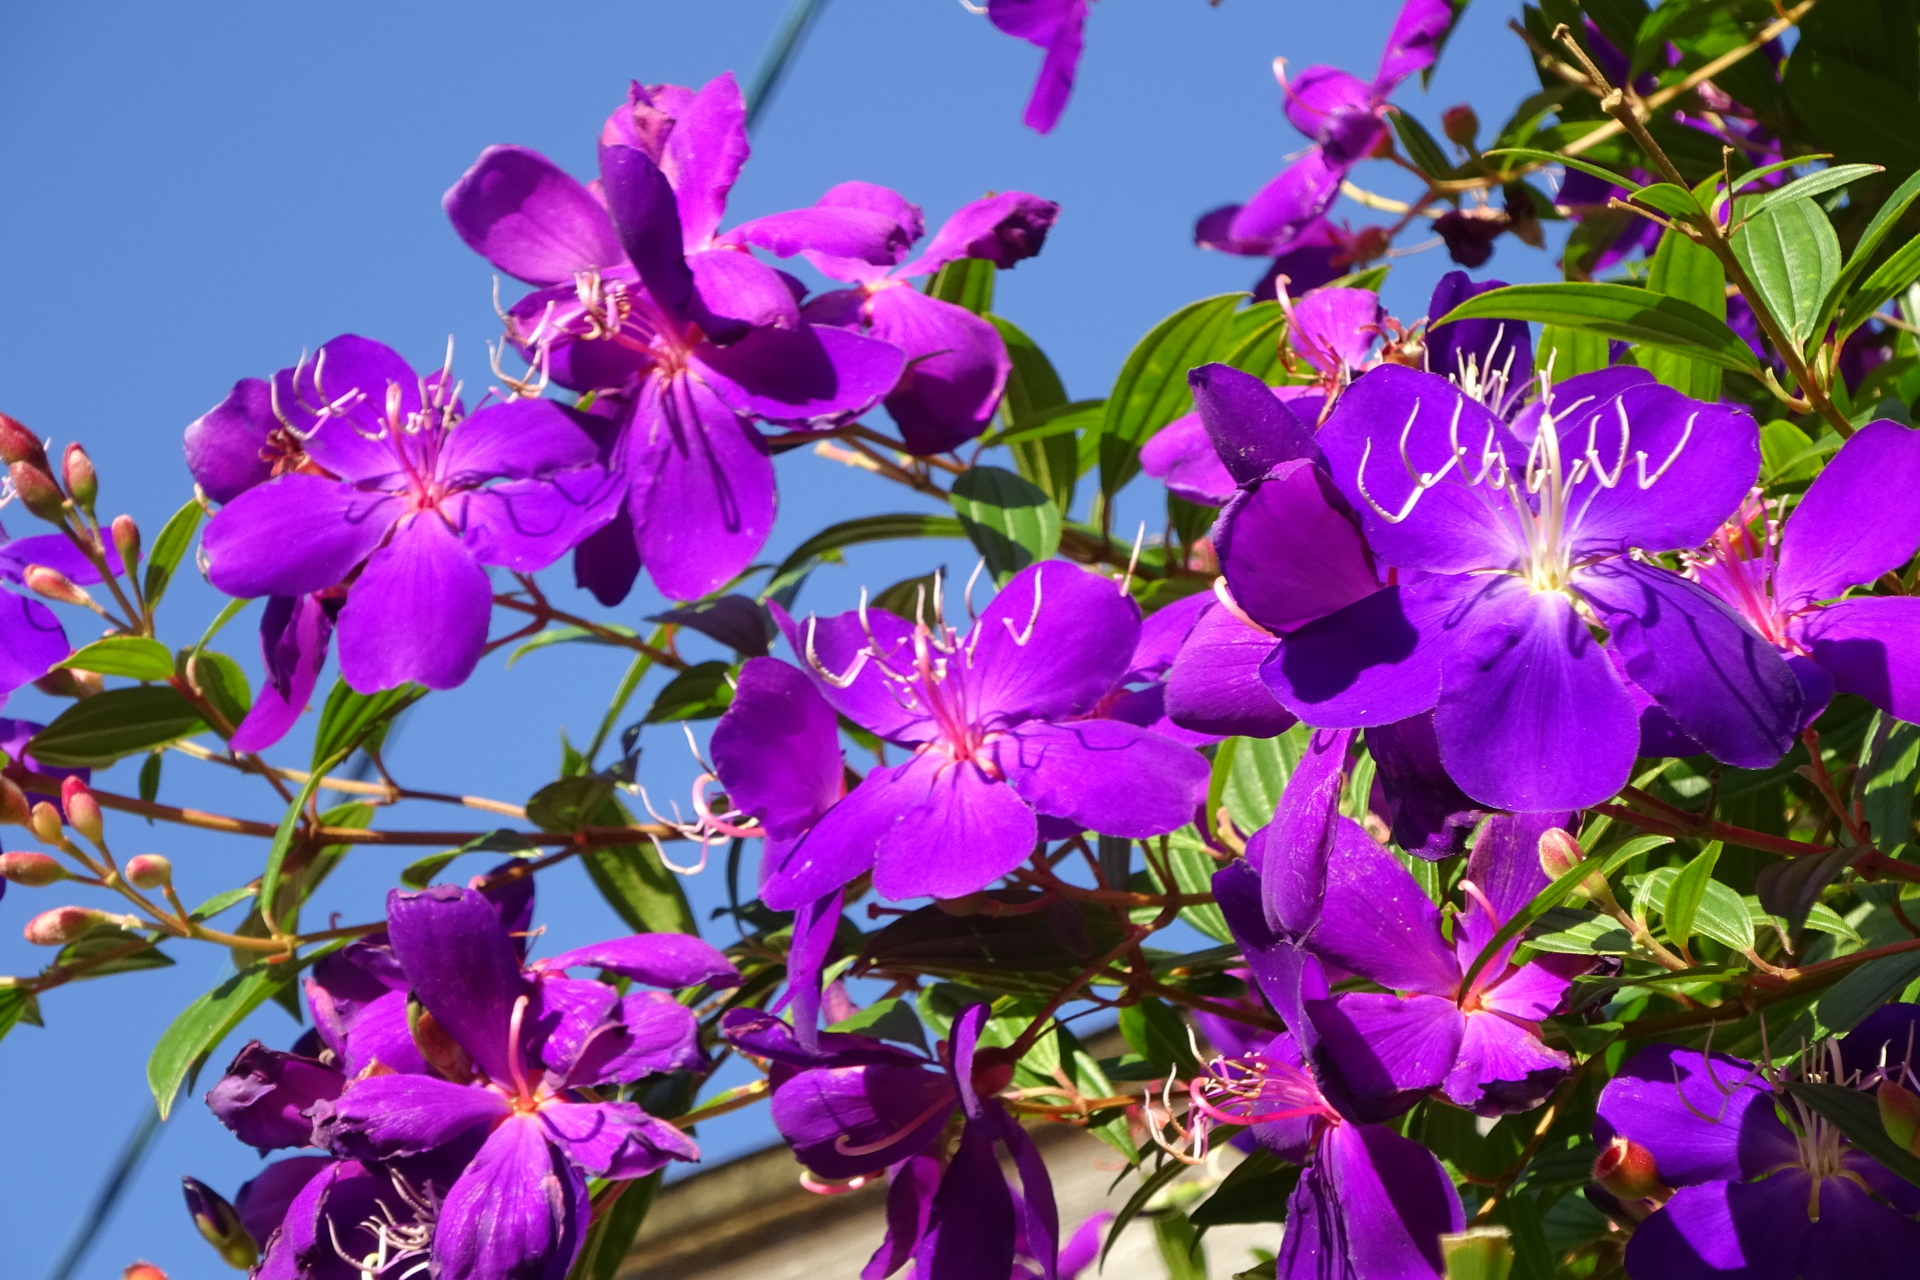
<point>190,194</point>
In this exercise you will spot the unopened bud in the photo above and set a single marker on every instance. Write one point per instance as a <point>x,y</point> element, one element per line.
<point>14,809</point>
<point>35,870</point>
<point>220,1223</point>
<point>62,682</point>
<point>1900,1114</point>
<point>441,1051</point>
<point>58,927</point>
<point>45,823</point>
<point>1559,852</point>
<point>77,468</point>
<point>126,540</point>
<point>1460,124</point>
<point>55,586</point>
<point>148,871</point>
<point>143,1271</point>
<point>17,444</point>
<point>83,811</point>
<point>1627,1170</point>
<point>37,490</point>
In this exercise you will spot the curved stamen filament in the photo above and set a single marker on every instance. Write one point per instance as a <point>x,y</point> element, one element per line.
<point>845,1148</point>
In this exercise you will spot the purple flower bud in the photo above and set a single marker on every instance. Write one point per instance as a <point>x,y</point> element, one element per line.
<point>220,1224</point>
<point>17,444</point>
<point>37,490</point>
<point>266,1094</point>
<point>1460,124</point>
<point>81,480</point>
<point>35,870</point>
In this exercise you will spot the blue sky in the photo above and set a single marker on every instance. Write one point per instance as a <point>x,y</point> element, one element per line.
<point>198,193</point>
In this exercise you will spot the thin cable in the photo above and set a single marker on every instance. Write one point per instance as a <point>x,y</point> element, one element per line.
<point>91,1227</point>
<point>780,55</point>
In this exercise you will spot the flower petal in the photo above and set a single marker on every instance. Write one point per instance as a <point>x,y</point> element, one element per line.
<point>704,154</point>
<point>514,441</point>
<point>1859,519</point>
<point>31,641</point>
<point>1290,550</point>
<point>956,831</point>
<point>294,535</point>
<point>1252,429</point>
<point>843,1122</point>
<point>1214,685</point>
<point>1181,455</point>
<point>615,1139</point>
<point>973,1216</point>
<point>776,749</point>
<point>1871,647</point>
<point>530,218</point>
<point>519,1210</point>
<point>673,961</point>
<point>225,444</point>
<point>646,217</point>
<point>380,1117</point>
<point>1105,775</point>
<point>1300,193</point>
<point>526,525</point>
<point>1430,816</point>
<point>829,651</point>
<point>462,966</point>
<point>956,368</point>
<point>1291,853</point>
<point>1704,1119</point>
<point>294,634</point>
<point>1502,1068</point>
<point>1003,229</point>
<point>1375,661</point>
<point>1388,1050</point>
<point>1737,1230</point>
<point>1395,1199</point>
<point>1050,644</point>
<point>1379,923</point>
<point>419,612</point>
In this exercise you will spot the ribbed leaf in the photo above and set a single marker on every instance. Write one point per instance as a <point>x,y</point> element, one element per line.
<point>1151,390</point>
<point>1792,255</point>
<point>1011,522</point>
<point>1616,311</point>
<point>96,731</point>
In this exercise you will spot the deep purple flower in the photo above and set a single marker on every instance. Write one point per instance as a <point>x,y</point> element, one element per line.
<point>688,339</point>
<point>1059,27</point>
<point>346,1219</point>
<point>879,1108</point>
<point>1859,520</point>
<point>416,497</point>
<point>530,1042</point>
<point>1490,360</point>
<point>31,638</point>
<point>956,361</point>
<point>990,717</point>
<point>266,1096</point>
<point>1763,1186</point>
<point>1509,541</point>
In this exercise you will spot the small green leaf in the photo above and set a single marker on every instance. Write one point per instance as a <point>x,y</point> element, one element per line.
<point>1887,282</point>
<point>1792,255</point>
<point>1568,162</point>
<point>1554,895</point>
<point>104,938</point>
<point>1857,1115</point>
<point>1581,933</point>
<point>223,901</point>
<point>892,1019</point>
<point>1155,1032</point>
<point>224,684</point>
<point>786,579</point>
<point>1689,887</point>
<point>701,692</point>
<point>1150,1186</point>
<point>1257,772</point>
<point>351,720</point>
<point>1668,198</point>
<point>1813,184</point>
<point>135,657</point>
<point>96,731</point>
<point>1787,454</point>
<point>1616,311</point>
<point>568,635</point>
<point>1886,782</point>
<point>1151,390</point>
<point>619,1211</point>
<point>17,1006</point>
<point>1255,1190</point>
<point>1723,916</point>
<point>150,777</point>
<point>1421,146</point>
<point>1846,1004</point>
<point>168,550</point>
<point>283,837</point>
<point>185,1045</point>
<point>1686,270</point>
<point>1011,522</point>
<point>420,873</point>
<point>1034,392</point>
<point>965,282</point>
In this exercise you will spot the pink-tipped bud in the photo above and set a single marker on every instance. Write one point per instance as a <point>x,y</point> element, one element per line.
<point>148,871</point>
<point>58,927</point>
<point>64,683</point>
<point>143,1271</point>
<point>14,809</point>
<point>1559,852</point>
<point>55,586</point>
<point>1460,124</point>
<point>17,444</point>
<point>38,491</point>
<point>45,823</point>
<point>35,870</point>
<point>1627,1170</point>
<point>220,1223</point>
<point>82,482</point>
<point>1900,1114</point>
<point>83,811</point>
<point>126,540</point>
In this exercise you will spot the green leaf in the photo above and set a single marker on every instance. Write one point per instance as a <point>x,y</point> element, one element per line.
<point>1150,1186</point>
<point>892,1019</point>
<point>135,657</point>
<point>420,873</point>
<point>1566,353</point>
<point>1011,522</point>
<point>1061,420</point>
<point>1421,146</point>
<point>17,1006</point>
<point>701,692</point>
<point>1787,454</point>
<point>1888,281</point>
<point>1034,391</point>
<point>1884,220</point>
<point>1481,1253</point>
<point>168,550</point>
<point>1688,271</point>
<point>1255,1190</point>
<point>1857,1115</point>
<point>1792,255</point>
<point>1723,916</point>
<point>1689,887</point>
<point>619,1211</point>
<point>150,777</point>
<point>1554,895</point>
<point>1885,784</point>
<point>349,720</point>
<point>96,731</point>
<point>1192,867</point>
<point>568,635</point>
<point>221,902</point>
<point>103,938</point>
<point>1615,311</point>
<point>1814,184</point>
<point>1179,1245</point>
<point>289,824</point>
<point>1581,933</point>
<point>222,683</point>
<point>1846,1004</point>
<point>786,579</point>
<point>1859,112</point>
<point>1668,198</point>
<point>1155,1032</point>
<point>1151,390</point>
<point>1253,342</point>
<point>1568,162</point>
<point>185,1045</point>
<point>965,282</point>
<point>1257,772</point>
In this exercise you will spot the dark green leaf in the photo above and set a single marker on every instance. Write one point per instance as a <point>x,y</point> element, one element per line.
<point>569,804</point>
<point>1478,1253</point>
<point>1255,1190</point>
<point>1151,390</point>
<point>421,872</point>
<point>104,938</point>
<point>17,1006</point>
<point>1028,953</point>
<point>1179,1245</point>
<point>631,877</point>
<point>222,683</point>
<point>1061,420</point>
<point>886,1020</point>
<point>202,1025</point>
<point>168,549</point>
<point>907,598</point>
<point>1792,255</point>
<point>1569,162</point>
<point>283,838</point>
<point>1149,1187</point>
<point>350,720</point>
<point>1421,147</point>
<point>1566,353</point>
<point>1886,781</point>
<point>1257,771</point>
<point>1033,393</point>
<point>1011,522</point>
<point>1615,311</point>
<point>1845,1004</point>
<point>150,777</point>
<point>619,1211</point>
<point>965,282</point>
<point>96,731</point>
<point>1857,1115</point>
<point>786,579</point>
<point>222,901</point>
<point>1884,220</point>
<point>1689,887</point>
<point>701,692</point>
<point>1155,1032</point>
<point>1887,282</point>
<point>135,657</point>
<point>1861,113</point>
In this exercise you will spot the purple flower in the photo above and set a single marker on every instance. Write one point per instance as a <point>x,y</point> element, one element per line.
<point>1058,26</point>
<point>31,638</point>
<point>14,737</point>
<point>990,717</point>
<point>1763,1186</point>
<point>956,361</point>
<point>688,339</point>
<point>1490,360</point>
<point>413,499</point>
<point>328,1219</point>
<point>878,1108</point>
<point>266,1096</point>
<point>529,1043</point>
<point>1510,542</point>
<point>1858,521</point>
<point>1479,1045</point>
